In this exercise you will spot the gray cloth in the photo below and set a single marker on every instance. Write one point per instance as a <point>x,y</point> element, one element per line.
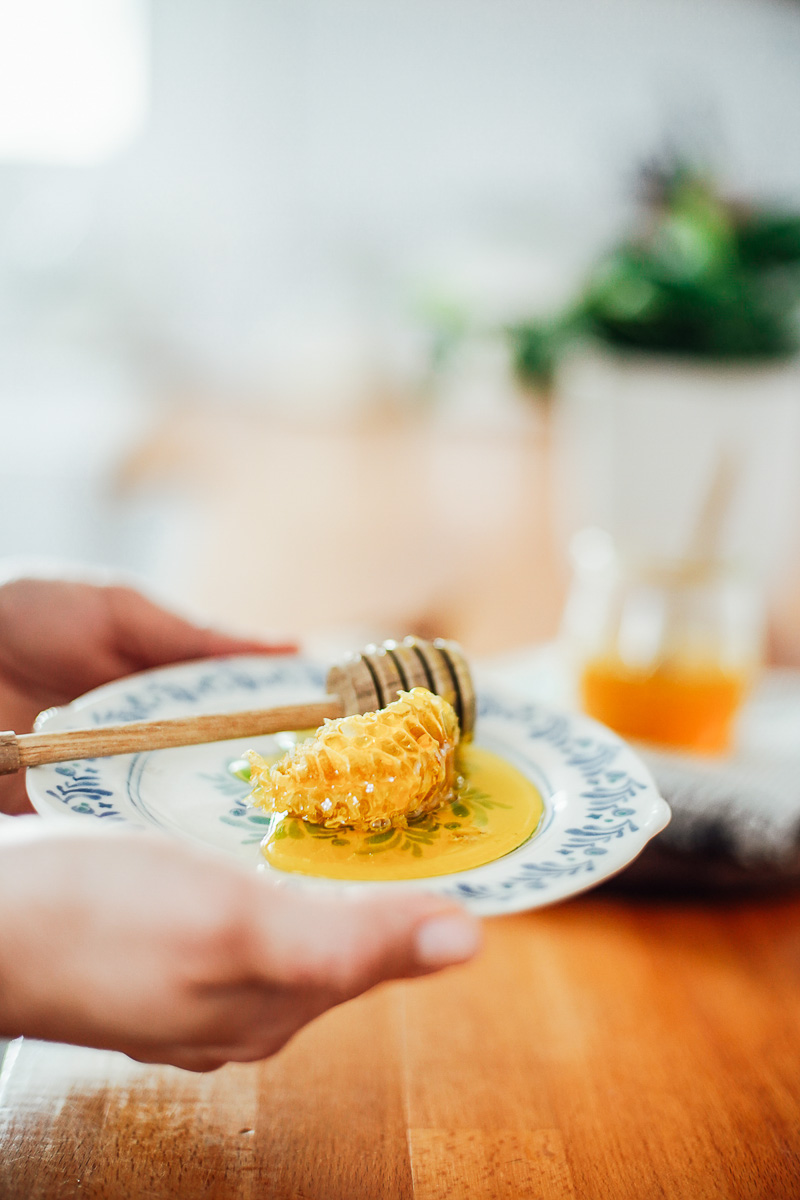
<point>749,811</point>
<point>735,818</point>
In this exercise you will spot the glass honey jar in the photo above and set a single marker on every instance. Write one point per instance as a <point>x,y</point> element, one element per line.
<point>664,652</point>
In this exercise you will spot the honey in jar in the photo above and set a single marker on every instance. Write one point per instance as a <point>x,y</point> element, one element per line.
<point>691,707</point>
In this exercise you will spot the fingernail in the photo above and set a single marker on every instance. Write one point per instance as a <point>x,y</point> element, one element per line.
<point>445,940</point>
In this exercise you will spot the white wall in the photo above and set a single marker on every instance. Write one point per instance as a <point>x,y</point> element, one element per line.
<point>310,168</point>
<point>311,153</point>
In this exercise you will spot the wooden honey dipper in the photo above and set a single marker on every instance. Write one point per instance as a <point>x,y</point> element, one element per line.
<point>363,683</point>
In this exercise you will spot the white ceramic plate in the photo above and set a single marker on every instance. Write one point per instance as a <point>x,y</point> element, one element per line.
<point>601,805</point>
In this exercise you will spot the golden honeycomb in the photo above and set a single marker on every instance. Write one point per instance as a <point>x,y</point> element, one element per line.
<point>367,771</point>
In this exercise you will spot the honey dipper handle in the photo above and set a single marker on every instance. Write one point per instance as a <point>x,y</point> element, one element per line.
<point>32,749</point>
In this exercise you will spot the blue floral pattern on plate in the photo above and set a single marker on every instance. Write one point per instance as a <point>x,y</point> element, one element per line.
<point>601,806</point>
<point>81,790</point>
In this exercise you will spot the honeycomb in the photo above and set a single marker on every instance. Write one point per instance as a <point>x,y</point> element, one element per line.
<point>368,771</point>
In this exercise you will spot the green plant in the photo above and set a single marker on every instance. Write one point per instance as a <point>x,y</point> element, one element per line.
<point>703,277</point>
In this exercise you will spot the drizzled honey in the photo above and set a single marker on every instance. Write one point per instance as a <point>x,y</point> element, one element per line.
<point>494,809</point>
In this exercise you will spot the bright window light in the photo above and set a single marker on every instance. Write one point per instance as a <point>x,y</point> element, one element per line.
<point>73,78</point>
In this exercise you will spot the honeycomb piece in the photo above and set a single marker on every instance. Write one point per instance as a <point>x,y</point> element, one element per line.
<point>368,771</point>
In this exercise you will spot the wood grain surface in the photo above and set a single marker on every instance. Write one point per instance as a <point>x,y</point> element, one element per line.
<point>607,1049</point>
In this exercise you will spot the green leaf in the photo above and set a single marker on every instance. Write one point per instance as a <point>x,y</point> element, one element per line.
<point>769,238</point>
<point>376,839</point>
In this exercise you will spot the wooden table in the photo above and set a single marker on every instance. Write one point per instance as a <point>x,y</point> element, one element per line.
<point>401,524</point>
<point>606,1049</point>
<point>612,1048</point>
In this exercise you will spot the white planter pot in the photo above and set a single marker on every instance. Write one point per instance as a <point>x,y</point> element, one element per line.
<point>638,440</point>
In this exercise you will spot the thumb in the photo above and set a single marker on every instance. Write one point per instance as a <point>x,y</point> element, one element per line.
<point>152,636</point>
<point>348,943</point>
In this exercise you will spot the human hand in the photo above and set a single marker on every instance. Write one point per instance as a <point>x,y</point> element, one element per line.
<point>59,639</point>
<point>172,954</point>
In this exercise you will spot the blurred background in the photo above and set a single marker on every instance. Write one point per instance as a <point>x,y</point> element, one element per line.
<point>333,317</point>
